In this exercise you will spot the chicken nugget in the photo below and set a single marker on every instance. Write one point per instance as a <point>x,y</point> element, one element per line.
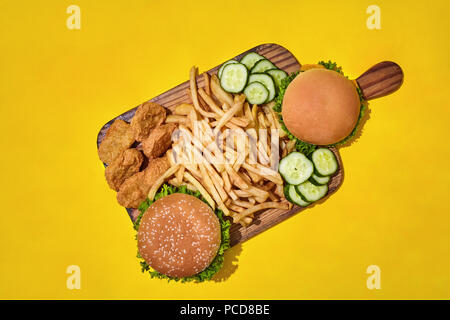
<point>158,141</point>
<point>123,167</point>
<point>118,138</point>
<point>135,189</point>
<point>148,116</point>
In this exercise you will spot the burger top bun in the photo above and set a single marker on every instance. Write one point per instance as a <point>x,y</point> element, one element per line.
<point>320,107</point>
<point>179,235</point>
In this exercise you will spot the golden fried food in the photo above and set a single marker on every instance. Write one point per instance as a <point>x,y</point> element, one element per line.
<point>118,138</point>
<point>159,140</point>
<point>148,116</point>
<point>123,167</point>
<point>135,189</point>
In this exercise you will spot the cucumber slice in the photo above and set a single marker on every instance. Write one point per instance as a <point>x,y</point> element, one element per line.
<point>325,162</point>
<point>263,66</point>
<point>277,76</point>
<point>219,73</point>
<point>319,181</point>
<point>256,93</point>
<point>310,192</point>
<point>250,59</point>
<point>266,80</point>
<point>234,77</point>
<point>295,168</point>
<point>292,196</point>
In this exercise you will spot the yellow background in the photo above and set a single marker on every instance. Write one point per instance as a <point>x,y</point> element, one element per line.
<point>59,86</point>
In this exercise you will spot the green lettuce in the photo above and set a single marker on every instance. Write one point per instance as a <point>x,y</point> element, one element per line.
<point>301,146</point>
<point>215,265</point>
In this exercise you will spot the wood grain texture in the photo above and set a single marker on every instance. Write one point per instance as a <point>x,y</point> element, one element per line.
<point>283,59</point>
<point>380,80</point>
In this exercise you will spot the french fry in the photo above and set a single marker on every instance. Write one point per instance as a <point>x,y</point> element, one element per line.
<point>238,103</point>
<point>188,185</point>
<point>290,146</point>
<point>214,107</point>
<point>193,169</point>
<point>169,155</point>
<point>191,119</point>
<point>233,195</point>
<point>255,177</point>
<point>245,221</point>
<point>259,207</point>
<point>206,80</point>
<point>226,181</point>
<point>218,182</point>
<point>194,97</point>
<point>183,109</point>
<point>260,195</point>
<point>244,204</point>
<point>191,187</point>
<point>272,196</point>
<point>174,118</point>
<point>235,178</point>
<point>218,92</point>
<point>275,116</point>
<point>174,182</point>
<point>160,181</point>
<point>264,172</point>
<point>210,185</point>
<point>262,120</point>
<point>268,186</point>
<point>242,193</point>
<point>238,121</point>
<point>201,189</point>
<point>236,208</point>
<point>179,174</point>
<point>244,177</point>
<point>255,116</point>
<point>279,191</point>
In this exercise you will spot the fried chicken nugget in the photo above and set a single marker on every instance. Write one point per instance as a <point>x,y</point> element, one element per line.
<point>135,189</point>
<point>158,141</point>
<point>148,116</point>
<point>123,167</point>
<point>118,138</point>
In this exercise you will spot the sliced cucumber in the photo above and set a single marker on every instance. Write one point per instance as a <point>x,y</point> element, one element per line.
<point>319,181</point>
<point>310,192</point>
<point>295,168</point>
<point>292,196</point>
<point>250,59</point>
<point>277,76</point>
<point>219,73</point>
<point>263,66</point>
<point>256,93</point>
<point>234,77</point>
<point>266,80</point>
<point>325,162</point>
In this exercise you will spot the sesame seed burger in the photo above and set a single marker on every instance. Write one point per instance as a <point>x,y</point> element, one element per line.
<point>180,237</point>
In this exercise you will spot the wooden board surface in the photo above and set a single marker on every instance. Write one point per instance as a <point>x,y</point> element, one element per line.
<point>283,59</point>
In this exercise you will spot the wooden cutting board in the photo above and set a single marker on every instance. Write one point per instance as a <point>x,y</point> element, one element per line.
<point>283,59</point>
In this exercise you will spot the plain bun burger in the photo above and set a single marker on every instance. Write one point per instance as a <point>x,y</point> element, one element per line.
<point>321,107</point>
<point>179,235</point>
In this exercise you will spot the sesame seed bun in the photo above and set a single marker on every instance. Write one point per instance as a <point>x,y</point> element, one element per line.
<point>320,107</point>
<point>179,235</point>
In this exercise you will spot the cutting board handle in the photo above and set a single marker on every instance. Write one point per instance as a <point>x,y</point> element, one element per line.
<point>380,80</point>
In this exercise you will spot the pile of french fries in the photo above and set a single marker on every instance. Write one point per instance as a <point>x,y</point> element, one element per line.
<point>227,150</point>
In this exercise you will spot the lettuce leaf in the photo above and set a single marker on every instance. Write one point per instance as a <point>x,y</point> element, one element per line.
<point>301,146</point>
<point>215,265</point>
